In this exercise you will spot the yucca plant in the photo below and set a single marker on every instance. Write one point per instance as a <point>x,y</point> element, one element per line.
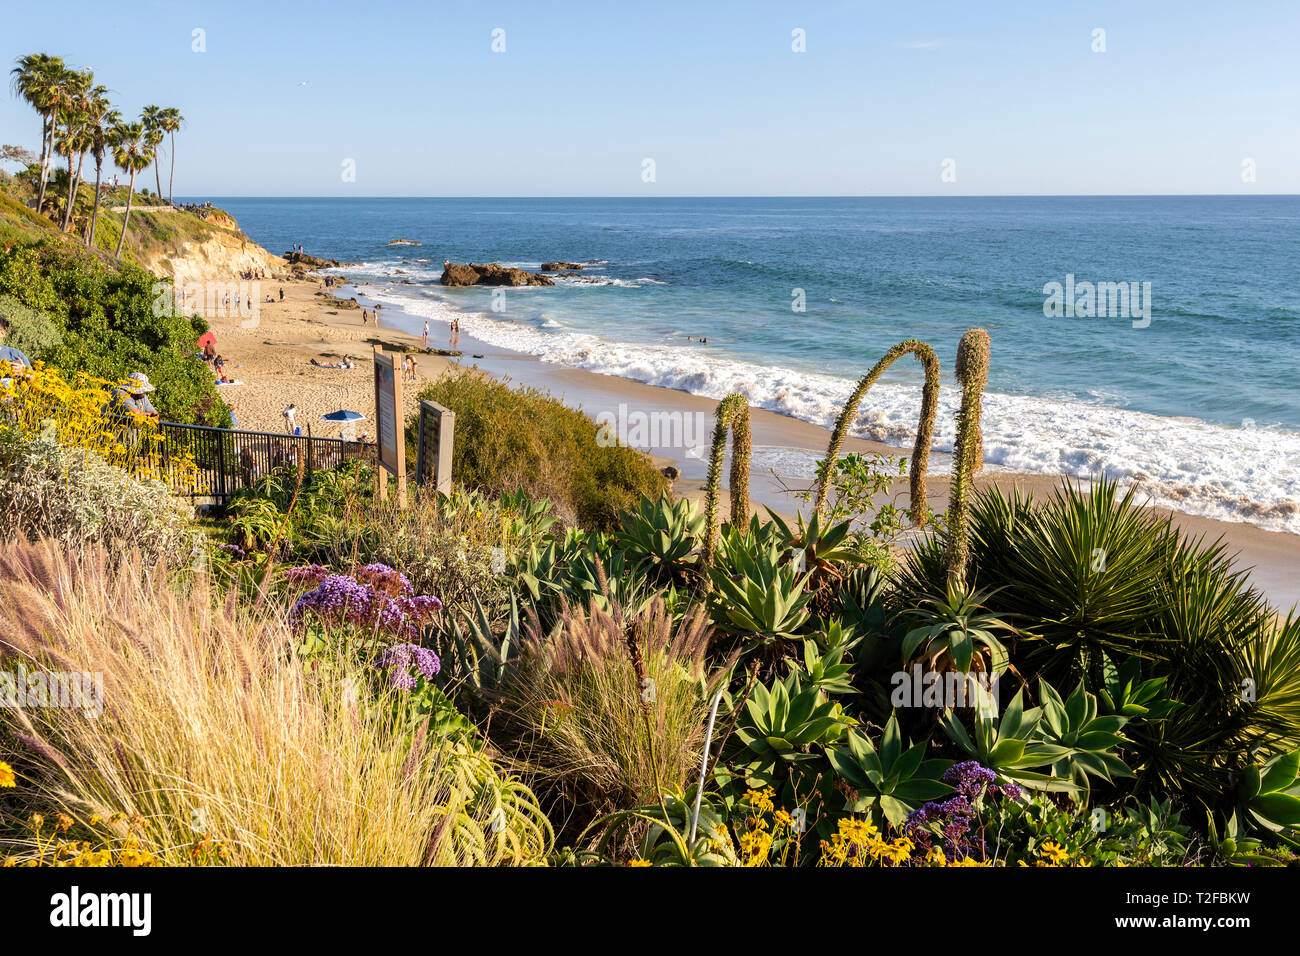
<point>733,416</point>
<point>1010,745</point>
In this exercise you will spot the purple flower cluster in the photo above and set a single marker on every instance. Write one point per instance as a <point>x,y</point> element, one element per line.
<point>951,819</point>
<point>340,599</point>
<point>401,658</point>
<point>307,574</point>
<point>234,550</point>
<point>383,578</point>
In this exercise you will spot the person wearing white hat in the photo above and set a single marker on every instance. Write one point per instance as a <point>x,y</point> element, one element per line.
<point>133,395</point>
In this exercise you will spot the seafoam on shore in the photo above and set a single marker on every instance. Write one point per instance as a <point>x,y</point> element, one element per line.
<point>1247,473</point>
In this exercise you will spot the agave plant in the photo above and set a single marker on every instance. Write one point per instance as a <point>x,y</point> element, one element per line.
<point>889,778</point>
<point>664,536</point>
<point>1269,796</point>
<point>782,727</point>
<point>822,553</point>
<point>1089,740</point>
<point>762,597</point>
<point>953,632</point>
<point>1010,746</point>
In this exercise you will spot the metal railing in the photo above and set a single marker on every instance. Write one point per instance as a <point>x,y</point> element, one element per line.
<point>224,459</point>
<point>229,459</point>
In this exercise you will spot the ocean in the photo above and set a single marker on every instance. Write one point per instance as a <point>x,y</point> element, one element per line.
<point>1191,389</point>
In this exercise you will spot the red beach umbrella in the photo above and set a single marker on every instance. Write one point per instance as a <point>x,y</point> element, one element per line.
<point>206,339</point>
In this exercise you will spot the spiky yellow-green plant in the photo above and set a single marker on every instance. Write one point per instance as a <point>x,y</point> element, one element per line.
<point>733,415</point>
<point>924,429</point>
<point>967,449</point>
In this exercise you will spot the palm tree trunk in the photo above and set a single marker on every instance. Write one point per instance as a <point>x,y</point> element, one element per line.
<point>72,190</point>
<point>94,215</point>
<point>130,194</point>
<point>157,179</point>
<point>171,178</point>
<point>47,146</point>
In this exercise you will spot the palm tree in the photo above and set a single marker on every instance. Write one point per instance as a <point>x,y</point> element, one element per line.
<point>132,153</point>
<point>36,78</point>
<point>171,121</point>
<point>76,87</point>
<point>151,117</point>
<point>102,120</point>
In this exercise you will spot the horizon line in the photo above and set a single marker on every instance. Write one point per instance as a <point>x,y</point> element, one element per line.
<point>789,196</point>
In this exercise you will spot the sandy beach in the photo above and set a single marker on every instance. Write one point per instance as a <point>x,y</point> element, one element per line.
<point>273,362</point>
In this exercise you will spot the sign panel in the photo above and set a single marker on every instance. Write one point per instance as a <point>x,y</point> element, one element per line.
<point>386,405</point>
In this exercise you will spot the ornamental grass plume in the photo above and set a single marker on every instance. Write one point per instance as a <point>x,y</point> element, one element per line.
<point>924,429</point>
<point>968,448</point>
<point>733,416</point>
<point>212,726</point>
<point>577,712</point>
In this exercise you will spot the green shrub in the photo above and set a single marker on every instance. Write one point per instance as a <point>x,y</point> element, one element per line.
<point>30,331</point>
<point>525,439</point>
<point>49,490</point>
<point>106,318</point>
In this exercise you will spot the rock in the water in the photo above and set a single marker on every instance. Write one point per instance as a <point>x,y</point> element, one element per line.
<point>561,266</point>
<point>403,242</point>
<point>490,274</point>
<point>314,262</point>
<point>670,472</point>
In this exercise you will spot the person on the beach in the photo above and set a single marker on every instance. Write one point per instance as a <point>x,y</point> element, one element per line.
<point>426,333</point>
<point>365,316</point>
<point>282,294</point>
<point>290,412</point>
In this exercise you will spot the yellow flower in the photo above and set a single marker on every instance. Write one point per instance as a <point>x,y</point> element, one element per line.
<point>7,778</point>
<point>639,863</point>
<point>65,823</point>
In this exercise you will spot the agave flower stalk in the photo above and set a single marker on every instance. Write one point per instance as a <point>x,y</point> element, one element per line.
<point>968,448</point>
<point>924,429</point>
<point>733,415</point>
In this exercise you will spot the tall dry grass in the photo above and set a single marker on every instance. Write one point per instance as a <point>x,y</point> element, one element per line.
<point>212,727</point>
<point>576,712</point>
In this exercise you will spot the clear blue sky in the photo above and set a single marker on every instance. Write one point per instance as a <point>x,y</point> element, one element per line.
<point>711,91</point>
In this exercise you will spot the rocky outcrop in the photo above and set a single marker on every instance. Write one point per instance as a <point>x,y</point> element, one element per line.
<point>313,262</point>
<point>403,242</point>
<point>338,302</point>
<point>490,274</point>
<point>561,266</point>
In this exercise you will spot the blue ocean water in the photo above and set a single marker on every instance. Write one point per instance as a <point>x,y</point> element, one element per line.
<point>1200,403</point>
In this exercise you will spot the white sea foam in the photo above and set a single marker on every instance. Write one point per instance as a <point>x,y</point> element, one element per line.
<point>1246,474</point>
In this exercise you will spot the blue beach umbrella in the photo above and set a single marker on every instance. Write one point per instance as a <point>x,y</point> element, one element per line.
<point>343,415</point>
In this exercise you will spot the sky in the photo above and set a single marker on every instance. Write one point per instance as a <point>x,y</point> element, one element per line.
<point>390,98</point>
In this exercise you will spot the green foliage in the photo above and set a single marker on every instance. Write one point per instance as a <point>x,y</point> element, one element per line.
<point>525,439</point>
<point>663,537</point>
<point>785,727</point>
<point>1150,834</point>
<point>755,594</point>
<point>952,631</point>
<point>892,778</point>
<point>32,332</point>
<point>106,319</point>
<point>49,490</point>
